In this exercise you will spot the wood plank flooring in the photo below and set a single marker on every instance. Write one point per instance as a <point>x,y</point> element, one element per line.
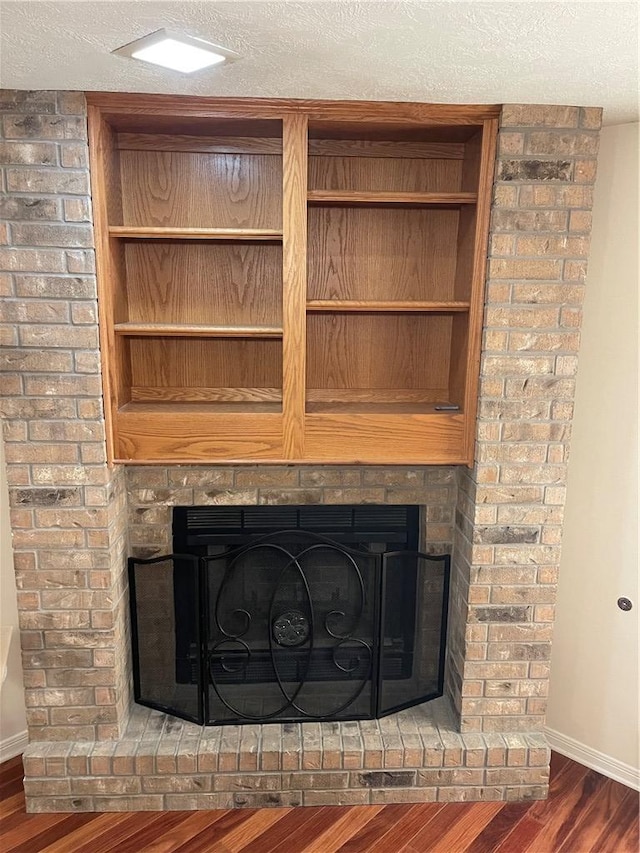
<point>585,813</point>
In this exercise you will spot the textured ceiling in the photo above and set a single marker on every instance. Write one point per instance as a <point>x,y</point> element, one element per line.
<point>582,53</point>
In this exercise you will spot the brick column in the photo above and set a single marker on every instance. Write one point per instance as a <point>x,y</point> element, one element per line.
<point>67,507</point>
<point>510,506</point>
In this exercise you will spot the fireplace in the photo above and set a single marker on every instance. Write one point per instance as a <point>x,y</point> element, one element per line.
<point>283,614</point>
<point>75,518</point>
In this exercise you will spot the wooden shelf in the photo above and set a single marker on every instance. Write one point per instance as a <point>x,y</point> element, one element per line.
<point>400,199</point>
<point>372,407</point>
<point>406,307</point>
<point>241,234</point>
<point>171,407</point>
<point>390,401</point>
<point>196,331</point>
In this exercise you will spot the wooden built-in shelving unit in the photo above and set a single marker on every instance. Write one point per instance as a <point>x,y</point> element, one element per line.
<point>289,280</point>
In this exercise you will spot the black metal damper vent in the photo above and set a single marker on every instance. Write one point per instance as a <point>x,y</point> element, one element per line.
<point>332,614</point>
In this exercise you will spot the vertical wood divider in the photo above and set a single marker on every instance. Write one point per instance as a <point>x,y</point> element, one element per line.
<point>98,157</point>
<point>294,282</point>
<point>476,310</point>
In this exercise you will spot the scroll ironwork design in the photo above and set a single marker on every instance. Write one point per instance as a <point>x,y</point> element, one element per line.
<point>336,625</point>
<point>291,626</point>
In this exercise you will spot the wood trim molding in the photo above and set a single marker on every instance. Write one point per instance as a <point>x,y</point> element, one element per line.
<point>294,284</point>
<point>379,111</point>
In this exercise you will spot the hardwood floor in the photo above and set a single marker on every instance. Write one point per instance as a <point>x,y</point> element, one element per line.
<point>585,813</point>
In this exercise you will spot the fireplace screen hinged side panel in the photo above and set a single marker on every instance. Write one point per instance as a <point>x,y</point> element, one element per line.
<point>292,626</point>
<point>164,591</point>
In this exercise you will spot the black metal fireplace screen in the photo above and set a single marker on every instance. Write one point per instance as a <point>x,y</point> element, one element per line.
<point>291,626</point>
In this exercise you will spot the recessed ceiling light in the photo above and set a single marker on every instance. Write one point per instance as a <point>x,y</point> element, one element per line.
<point>176,51</point>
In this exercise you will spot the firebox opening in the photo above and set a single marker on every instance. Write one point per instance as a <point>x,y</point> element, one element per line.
<point>293,613</point>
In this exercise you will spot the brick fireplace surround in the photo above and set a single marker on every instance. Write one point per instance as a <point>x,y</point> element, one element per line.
<point>75,519</point>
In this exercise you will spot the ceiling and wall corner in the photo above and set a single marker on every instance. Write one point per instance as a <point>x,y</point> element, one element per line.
<point>582,53</point>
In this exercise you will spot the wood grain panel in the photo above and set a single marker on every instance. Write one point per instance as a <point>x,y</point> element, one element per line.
<point>392,125</point>
<point>194,436</point>
<point>378,351</point>
<point>471,162</point>
<point>228,118</point>
<point>165,188</point>
<point>465,254</point>
<point>198,363</point>
<point>119,354</point>
<point>379,254</point>
<point>294,281</point>
<point>202,144</point>
<point>374,395</point>
<point>467,226</point>
<point>459,358</point>
<point>165,408</point>
<point>109,183</point>
<point>151,394</point>
<point>385,439</point>
<point>384,174</point>
<point>220,284</point>
<point>384,148</point>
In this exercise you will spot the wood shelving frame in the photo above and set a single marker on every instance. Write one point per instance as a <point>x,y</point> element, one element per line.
<point>390,307</point>
<point>290,281</point>
<point>240,234</point>
<point>184,330</point>
<point>400,199</point>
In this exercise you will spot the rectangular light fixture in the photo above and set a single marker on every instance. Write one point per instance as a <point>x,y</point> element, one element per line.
<point>176,51</point>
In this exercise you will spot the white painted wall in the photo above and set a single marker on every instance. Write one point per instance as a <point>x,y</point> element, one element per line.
<point>593,701</point>
<point>12,718</point>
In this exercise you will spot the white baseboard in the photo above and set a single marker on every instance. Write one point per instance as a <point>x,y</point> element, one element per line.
<point>14,745</point>
<point>595,760</point>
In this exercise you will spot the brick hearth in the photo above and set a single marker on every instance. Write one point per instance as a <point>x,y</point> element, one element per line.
<point>71,513</point>
<point>164,763</point>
